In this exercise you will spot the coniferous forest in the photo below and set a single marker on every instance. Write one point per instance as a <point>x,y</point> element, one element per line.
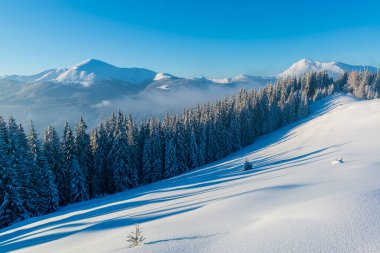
<point>40,173</point>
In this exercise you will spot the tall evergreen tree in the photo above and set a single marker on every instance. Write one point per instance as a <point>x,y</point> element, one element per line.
<point>47,193</point>
<point>119,154</point>
<point>78,182</point>
<point>53,154</point>
<point>83,154</point>
<point>68,153</point>
<point>11,203</point>
<point>102,175</point>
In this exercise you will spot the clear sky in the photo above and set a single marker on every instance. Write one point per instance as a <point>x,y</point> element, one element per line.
<point>187,37</point>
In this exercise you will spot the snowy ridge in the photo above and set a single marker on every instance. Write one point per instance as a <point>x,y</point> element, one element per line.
<point>334,69</point>
<point>293,200</point>
<point>93,70</point>
<point>88,72</point>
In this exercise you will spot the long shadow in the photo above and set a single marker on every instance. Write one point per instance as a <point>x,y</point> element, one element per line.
<point>220,175</point>
<point>181,238</point>
<point>130,219</point>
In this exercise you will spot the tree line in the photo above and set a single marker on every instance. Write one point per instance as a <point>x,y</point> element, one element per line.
<point>37,176</point>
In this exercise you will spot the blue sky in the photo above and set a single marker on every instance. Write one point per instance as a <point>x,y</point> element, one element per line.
<point>187,38</point>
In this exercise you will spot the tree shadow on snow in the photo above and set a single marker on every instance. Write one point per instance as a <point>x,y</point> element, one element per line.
<point>174,196</point>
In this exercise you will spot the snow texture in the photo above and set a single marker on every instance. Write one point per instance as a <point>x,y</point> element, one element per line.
<point>292,200</point>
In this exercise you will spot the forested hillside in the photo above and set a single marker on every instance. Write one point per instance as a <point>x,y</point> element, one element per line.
<point>37,176</point>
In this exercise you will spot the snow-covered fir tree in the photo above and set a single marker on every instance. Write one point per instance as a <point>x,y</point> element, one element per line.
<point>83,154</point>
<point>43,177</point>
<point>52,150</point>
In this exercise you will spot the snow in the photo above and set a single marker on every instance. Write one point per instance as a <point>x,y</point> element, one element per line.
<point>46,75</point>
<point>334,69</point>
<point>88,72</point>
<point>257,81</point>
<point>162,76</point>
<point>163,87</point>
<point>221,80</point>
<point>336,162</point>
<point>292,201</point>
<point>93,70</point>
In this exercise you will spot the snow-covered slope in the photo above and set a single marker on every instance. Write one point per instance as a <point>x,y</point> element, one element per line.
<point>93,70</point>
<point>88,72</point>
<point>293,200</point>
<point>47,75</point>
<point>334,69</point>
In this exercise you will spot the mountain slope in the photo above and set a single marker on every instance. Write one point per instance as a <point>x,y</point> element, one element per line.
<point>294,200</point>
<point>94,89</point>
<point>88,72</point>
<point>93,70</point>
<point>334,69</point>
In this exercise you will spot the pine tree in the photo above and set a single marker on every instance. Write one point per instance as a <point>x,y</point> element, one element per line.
<point>147,162</point>
<point>78,183</point>
<point>25,170</point>
<point>19,161</point>
<point>102,175</point>
<point>171,162</point>
<point>194,151</point>
<point>11,204</point>
<point>68,153</point>
<point>182,147</point>
<point>119,153</point>
<point>83,154</point>
<point>157,154</point>
<point>47,193</point>
<point>53,154</point>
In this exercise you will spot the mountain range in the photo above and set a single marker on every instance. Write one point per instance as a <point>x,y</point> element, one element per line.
<point>91,71</point>
<point>94,89</point>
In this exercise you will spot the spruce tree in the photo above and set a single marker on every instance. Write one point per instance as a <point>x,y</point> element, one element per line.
<point>78,183</point>
<point>11,203</point>
<point>83,154</point>
<point>102,176</point>
<point>47,193</point>
<point>119,152</point>
<point>53,154</point>
<point>68,153</point>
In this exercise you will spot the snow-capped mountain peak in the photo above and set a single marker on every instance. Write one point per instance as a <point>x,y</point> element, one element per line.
<point>334,69</point>
<point>305,65</point>
<point>92,70</point>
<point>163,76</point>
<point>88,72</point>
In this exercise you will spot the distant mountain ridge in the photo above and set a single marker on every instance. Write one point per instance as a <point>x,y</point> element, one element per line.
<point>334,69</point>
<point>92,71</point>
<point>88,72</point>
<point>94,89</point>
